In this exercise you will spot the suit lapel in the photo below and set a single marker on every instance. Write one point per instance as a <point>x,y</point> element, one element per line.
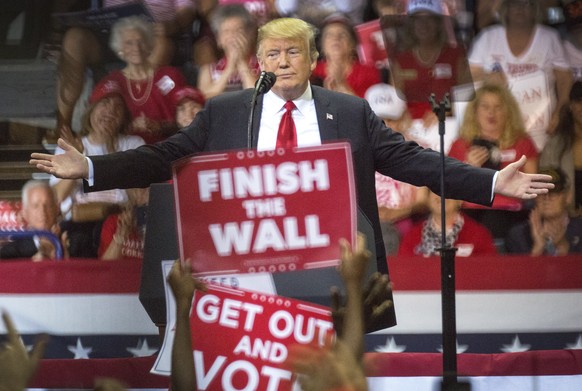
<point>324,107</point>
<point>326,115</point>
<point>256,118</point>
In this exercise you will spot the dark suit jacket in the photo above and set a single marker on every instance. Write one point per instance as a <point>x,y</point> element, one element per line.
<point>222,125</point>
<point>18,248</point>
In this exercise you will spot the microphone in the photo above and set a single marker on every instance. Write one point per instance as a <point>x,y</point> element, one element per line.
<point>264,83</point>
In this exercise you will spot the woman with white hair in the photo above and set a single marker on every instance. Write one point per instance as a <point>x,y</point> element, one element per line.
<point>84,48</point>
<point>147,90</point>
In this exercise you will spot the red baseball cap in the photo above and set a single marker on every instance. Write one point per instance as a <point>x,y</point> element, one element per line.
<point>103,90</point>
<point>188,92</point>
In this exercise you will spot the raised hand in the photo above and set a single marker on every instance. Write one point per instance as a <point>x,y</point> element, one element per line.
<point>328,368</point>
<point>537,232</point>
<point>67,134</point>
<point>377,301</point>
<point>354,264</point>
<point>477,156</point>
<point>17,366</point>
<point>183,284</point>
<point>108,384</point>
<point>72,164</point>
<point>145,124</point>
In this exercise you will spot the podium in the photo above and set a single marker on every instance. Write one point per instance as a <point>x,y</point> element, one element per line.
<point>161,243</point>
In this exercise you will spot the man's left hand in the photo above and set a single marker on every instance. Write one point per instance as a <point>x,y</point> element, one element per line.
<point>512,182</point>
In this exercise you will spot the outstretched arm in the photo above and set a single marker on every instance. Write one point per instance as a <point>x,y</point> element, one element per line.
<point>352,270</point>
<point>70,165</point>
<point>183,286</point>
<point>512,182</point>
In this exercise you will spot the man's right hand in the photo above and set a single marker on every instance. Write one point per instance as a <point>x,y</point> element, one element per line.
<point>72,164</point>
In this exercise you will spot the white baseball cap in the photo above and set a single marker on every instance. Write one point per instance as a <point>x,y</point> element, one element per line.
<point>432,6</point>
<point>385,101</point>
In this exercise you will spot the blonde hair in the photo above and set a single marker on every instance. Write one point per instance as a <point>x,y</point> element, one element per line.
<point>514,126</point>
<point>289,28</point>
<point>87,127</point>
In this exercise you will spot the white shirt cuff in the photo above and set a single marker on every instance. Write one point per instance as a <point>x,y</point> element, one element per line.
<point>91,178</point>
<point>493,185</point>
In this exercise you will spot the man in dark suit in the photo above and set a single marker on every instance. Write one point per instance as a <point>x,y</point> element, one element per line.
<point>287,48</point>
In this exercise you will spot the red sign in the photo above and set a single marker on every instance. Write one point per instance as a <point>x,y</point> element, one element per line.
<point>10,216</point>
<point>276,211</point>
<point>240,338</point>
<point>371,49</point>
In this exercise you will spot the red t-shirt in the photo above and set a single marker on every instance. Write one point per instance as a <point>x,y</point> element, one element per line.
<point>152,99</point>
<point>132,247</point>
<point>420,81</point>
<point>360,78</point>
<point>523,146</point>
<point>473,239</point>
<point>234,83</point>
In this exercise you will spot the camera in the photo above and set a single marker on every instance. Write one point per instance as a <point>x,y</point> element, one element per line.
<point>494,160</point>
<point>141,213</point>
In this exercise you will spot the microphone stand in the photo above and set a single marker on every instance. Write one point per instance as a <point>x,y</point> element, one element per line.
<point>251,119</point>
<point>263,84</point>
<point>448,302</point>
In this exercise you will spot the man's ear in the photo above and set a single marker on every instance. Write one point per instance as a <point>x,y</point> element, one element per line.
<point>261,63</point>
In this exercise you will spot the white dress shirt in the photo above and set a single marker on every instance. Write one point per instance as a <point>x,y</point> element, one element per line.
<point>304,116</point>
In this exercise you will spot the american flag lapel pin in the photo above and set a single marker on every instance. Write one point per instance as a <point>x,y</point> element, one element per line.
<point>328,116</point>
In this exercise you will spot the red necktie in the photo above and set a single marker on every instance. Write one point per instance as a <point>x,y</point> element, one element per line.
<point>287,135</point>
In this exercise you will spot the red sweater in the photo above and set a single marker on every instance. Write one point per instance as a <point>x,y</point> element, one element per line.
<point>473,239</point>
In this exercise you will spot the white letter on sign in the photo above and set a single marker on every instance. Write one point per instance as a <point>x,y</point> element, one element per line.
<point>268,236</point>
<point>204,379</point>
<point>207,308</point>
<point>207,184</point>
<point>287,329</point>
<point>232,236</point>
<point>245,366</point>
<point>275,376</point>
<point>318,175</point>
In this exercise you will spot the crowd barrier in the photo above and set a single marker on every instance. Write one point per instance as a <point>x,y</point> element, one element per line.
<point>518,318</point>
<point>536,371</point>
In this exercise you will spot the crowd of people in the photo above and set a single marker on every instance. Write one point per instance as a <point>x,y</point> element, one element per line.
<point>513,176</point>
<point>148,98</point>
